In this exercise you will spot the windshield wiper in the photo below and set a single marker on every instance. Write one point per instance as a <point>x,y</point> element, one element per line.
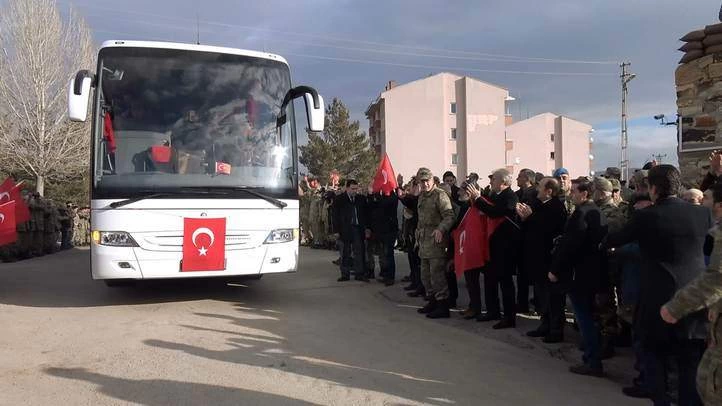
<point>224,190</point>
<point>121,203</point>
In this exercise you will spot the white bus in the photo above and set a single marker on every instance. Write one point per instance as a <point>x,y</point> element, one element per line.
<point>194,166</point>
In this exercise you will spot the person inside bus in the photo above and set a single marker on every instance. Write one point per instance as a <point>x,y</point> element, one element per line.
<point>157,158</point>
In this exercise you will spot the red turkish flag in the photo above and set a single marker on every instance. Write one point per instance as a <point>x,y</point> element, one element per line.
<point>471,240</point>
<point>8,235</point>
<point>223,168</point>
<point>204,244</point>
<point>9,192</point>
<point>385,179</point>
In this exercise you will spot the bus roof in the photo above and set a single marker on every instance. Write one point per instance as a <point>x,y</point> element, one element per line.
<point>191,47</point>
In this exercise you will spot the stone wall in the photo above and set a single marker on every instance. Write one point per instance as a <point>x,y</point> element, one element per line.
<point>699,106</point>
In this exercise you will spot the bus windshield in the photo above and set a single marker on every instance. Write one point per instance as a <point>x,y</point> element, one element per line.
<point>170,119</point>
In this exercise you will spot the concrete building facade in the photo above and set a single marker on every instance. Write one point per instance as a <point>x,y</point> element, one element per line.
<point>548,141</point>
<point>450,122</point>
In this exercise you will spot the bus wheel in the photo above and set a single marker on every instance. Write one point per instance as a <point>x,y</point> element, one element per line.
<point>118,283</point>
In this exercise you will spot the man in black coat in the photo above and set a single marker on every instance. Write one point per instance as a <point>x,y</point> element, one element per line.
<point>502,247</point>
<point>542,222</point>
<point>450,179</point>
<point>577,269</point>
<point>350,220</point>
<point>671,236</point>
<point>527,195</point>
<point>383,227</point>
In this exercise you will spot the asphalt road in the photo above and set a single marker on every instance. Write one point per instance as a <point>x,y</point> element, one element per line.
<point>284,340</point>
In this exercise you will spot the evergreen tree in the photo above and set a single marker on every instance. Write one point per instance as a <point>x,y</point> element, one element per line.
<point>341,147</point>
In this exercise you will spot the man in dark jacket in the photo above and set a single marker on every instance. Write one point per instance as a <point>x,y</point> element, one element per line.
<point>577,269</point>
<point>543,222</point>
<point>527,195</point>
<point>383,227</point>
<point>502,247</point>
<point>350,218</point>
<point>450,179</point>
<point>671,235</point>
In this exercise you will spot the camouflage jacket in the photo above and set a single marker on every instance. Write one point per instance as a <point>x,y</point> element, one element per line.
<point>616,217</point>
<point>435,213</point>
<point>704,291</point>
<point>568,204</point>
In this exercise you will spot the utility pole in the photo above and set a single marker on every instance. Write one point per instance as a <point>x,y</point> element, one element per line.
<point>624,161</point>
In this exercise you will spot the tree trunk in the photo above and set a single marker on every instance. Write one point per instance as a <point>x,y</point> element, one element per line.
<point>40,185</point>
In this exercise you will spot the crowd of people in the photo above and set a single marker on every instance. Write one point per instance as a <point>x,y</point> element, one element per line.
<point>629,258</point>
<point>53,226</point>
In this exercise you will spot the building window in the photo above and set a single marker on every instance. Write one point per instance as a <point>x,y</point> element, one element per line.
<point>552,137</point>
<point>454,159</point>
<point>551,155</point>
<point>453,133</point>
<point>453,107</point>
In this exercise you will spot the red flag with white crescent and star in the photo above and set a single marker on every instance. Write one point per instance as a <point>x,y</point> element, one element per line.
<point>10,191</point>
<point>204,244</point>
<point>8,233</point>
<point>385,179</point>
<point>472,238</point>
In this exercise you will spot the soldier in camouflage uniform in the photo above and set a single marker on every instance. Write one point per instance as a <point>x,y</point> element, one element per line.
<point>52,227</point>
<point>565,180</point>
<point>705,291</point>
<point>436,217</point>
<point>313,216</point>
<point>37,223</point>
<point>84,226</point>
<point>606,300</point>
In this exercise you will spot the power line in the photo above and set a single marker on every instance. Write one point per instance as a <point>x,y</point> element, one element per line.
<point>468,58</point>
<point>332,38</point>
<point>403,65</point>
<point>408,65</point>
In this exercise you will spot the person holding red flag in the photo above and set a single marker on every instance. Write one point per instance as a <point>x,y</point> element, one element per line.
<point>502,244</point>
<point>385,179</point>
<point>466,224</point>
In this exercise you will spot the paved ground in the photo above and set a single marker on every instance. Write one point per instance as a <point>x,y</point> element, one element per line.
<point>286,339</point>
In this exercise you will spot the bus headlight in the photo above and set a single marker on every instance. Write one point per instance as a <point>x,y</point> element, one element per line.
<point>113,239</point>
<point>282,235</point>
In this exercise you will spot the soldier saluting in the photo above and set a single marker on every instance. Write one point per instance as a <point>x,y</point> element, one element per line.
<point>436,217</point>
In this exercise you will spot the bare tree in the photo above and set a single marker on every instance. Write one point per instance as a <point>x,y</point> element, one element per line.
<point>39,52</point>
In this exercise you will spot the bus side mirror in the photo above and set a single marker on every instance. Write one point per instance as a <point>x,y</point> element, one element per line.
<point>78,95</point>
<point>315,113</point>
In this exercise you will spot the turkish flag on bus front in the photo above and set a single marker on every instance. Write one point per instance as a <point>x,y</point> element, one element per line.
<point>204,244</point>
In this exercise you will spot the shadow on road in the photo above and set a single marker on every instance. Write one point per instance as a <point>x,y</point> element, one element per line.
<point>153,392</point>
<point>259,341</point>
<point>63,280</point>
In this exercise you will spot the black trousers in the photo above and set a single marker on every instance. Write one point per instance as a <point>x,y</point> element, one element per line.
<point>551,304</point>
<point>354,254</point>
<point>688,354</point>
<point>415,269</point>
<point>472,278</point>
<point>522,288</point>
<point>453,286</point>
<point>494,278</point>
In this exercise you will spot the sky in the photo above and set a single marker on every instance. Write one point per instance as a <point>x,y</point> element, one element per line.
<point>560,56</point>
